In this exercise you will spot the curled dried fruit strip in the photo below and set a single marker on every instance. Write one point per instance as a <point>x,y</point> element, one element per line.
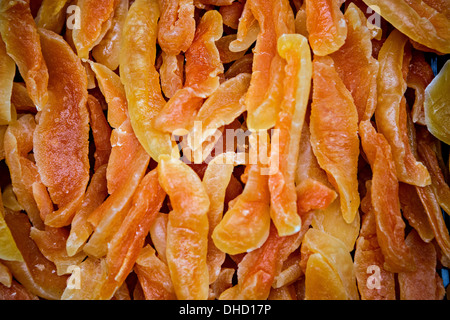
<point>108,217</point>
<point>35,272</point>
<point>61,143</point>
<point>7,72</point>
<point>275,19</point>
<point>124,248</point>
<point>80,228</point>
<point>334,134</point>
<point>247,30</point>
<point>177,25</point>
<point>385,203</point>
<point>95,20</point>
<point>369,259</point>
<point>390,113</point>
<point>419,284</point>
<point>203,67</point>
<point>18,141</point>
<point>137,59</point>
<point>355,64</point>
<point>187,229</point>
<point>171,73</point>
<point>154,276</point>
<point>288,127</point>
<point>21,37</point>
<point>419,20</point>
<point>326,26</point>
<point>107,52</point>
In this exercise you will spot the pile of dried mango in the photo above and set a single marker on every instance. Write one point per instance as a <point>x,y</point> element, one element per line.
<point>224,149</point>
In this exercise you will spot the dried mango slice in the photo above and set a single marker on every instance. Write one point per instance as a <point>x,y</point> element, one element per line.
<point>158,234</point>
<point>35,272</point>
<point>18,141</point>
<point>203,67</point>
<point>7,72</point>
<point>275,18</point>
<point>154,276</point>
<point>437,116</point>
<point>419,284</point>
<point>177,25</point>
<point>101,132</point>
<point>80,228</point>
<point>247,30</point>
<point>187,229</point>
<point>124,248</point>
<point>326,26</point>
<point>61,138</point>
<point>422,21</point>
<point>385,203</point>
<point>322,282</point>
<point>223,45</point>
<point>419,77</point>
<point>334,137</point>
<point>171,73</point>
<point>414,212</point>
<point>20,35</point>
<point>215,181</point>
<point>52,15</point>
<point>331,221</point>
<point>138,53</point>
<point>297,83</point>
<point>335,252</point>
<point>369,261</point>
<point>107,52</point>
<point>108,217</point>
<point>355,64</point>
<point>52,244</point>
<point>95,20</point>
<point>390,113</point>
<point>8,248</point>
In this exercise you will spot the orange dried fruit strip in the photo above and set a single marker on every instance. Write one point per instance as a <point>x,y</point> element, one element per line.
<point>52,15</point>
<point>215,181</point>
<point>154,276</point>
<point>247,30</point>
<point>419,77</point>
<point>107,52</point>
<point>8,248</point>
<point>7,72</point>
<point>242,65</point>
<point>334,134</point>
<point>420,20</point>
<point>414,212</point>
<point>18,141</point>
<point>128,241</point>
<point>385,200</point>
<point>223,45</point>
<point>137,58</point>
<point>20,98</point>
<point>20,35</point>
<point>61,143</point>
<point>355,64</point>
<point>52,244</point>
<point>231,14</point>
<point>369,259</point>
<point>171,73</point>
<point>35,273</point>
<point>101,132</point>
<point>246,224</point>
<point>390,113</point>
<point>187,229</point>
<point>285,151</point>
<point>108,217</point>
<point>203,67</point>
<point>80,228</point>
<point>16,292</point>
<point>335,253</point>
<point>95,20</point>
<point>275,18</point>
<point>177,25</point>
<point>326,26</point>
<point>419,284</point>
<point>158,234</point>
